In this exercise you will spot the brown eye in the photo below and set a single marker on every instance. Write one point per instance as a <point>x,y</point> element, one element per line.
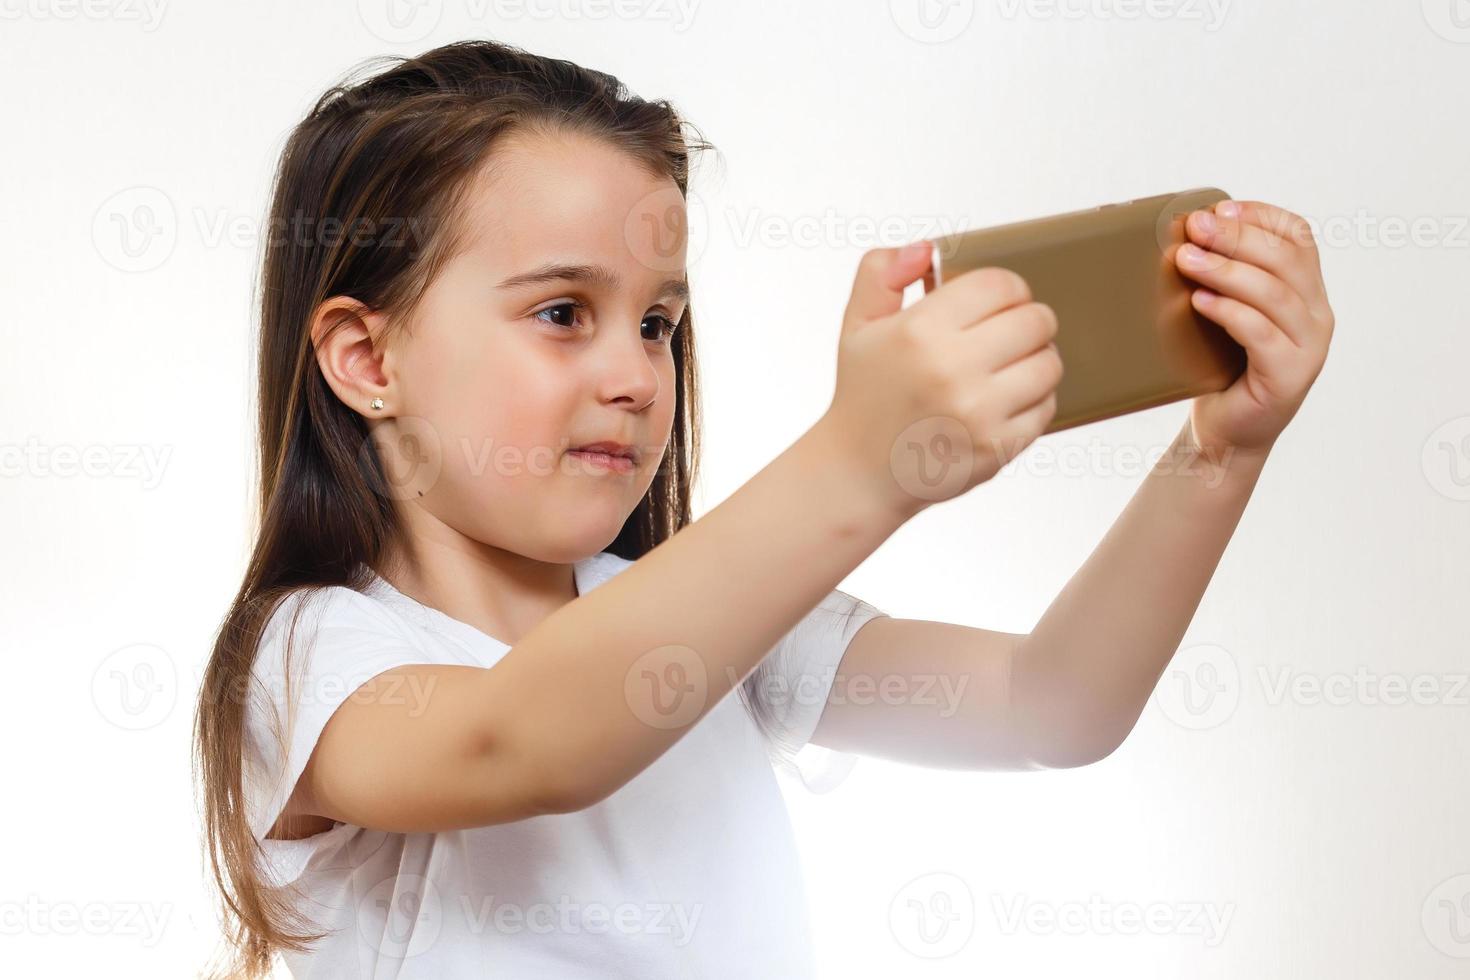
<point>662,324</point>
<point>566,314</point>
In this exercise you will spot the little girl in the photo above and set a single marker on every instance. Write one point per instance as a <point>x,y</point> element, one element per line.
<point>467,715</point>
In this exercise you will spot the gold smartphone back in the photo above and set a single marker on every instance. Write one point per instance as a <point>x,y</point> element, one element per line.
<point>1128,336</point>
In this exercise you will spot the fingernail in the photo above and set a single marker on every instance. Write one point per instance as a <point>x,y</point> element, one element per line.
<point>913,249</point>
<point>1207,222</point>
<point>1228,209</point>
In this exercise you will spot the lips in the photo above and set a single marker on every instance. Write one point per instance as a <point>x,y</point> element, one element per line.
<point>610,449</point>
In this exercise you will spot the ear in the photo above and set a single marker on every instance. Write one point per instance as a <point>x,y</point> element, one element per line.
<point>354,359</point>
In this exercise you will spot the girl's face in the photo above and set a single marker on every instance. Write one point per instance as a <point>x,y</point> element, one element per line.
<point>549,331</point>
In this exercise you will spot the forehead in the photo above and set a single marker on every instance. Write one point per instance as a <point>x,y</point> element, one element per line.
<point>566,196</point>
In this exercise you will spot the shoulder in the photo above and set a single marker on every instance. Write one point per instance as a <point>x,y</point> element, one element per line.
<point>316,606</point>
<point>317,640</point>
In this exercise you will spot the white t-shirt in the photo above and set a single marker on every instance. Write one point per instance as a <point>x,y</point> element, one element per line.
<point>688,870</point>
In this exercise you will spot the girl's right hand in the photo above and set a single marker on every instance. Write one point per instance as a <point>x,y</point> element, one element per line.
<point>934,399</point>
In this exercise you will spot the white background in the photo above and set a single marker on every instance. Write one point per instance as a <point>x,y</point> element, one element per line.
<point>1326,835</point>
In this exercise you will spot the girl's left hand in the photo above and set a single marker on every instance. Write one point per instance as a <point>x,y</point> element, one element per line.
<point>1264,280</point>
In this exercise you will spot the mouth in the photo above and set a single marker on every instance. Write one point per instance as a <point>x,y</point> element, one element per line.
<point>610,455</point>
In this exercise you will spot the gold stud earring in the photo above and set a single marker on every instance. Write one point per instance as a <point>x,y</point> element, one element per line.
<point>377,404</point>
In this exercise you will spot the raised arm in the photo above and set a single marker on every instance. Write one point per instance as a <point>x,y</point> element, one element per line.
<point>1071,690</point>
<point>568,715</point>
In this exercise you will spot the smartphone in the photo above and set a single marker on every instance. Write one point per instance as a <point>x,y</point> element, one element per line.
<point>1127,333</point>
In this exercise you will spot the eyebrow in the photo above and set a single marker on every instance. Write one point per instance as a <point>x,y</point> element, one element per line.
<point>595,275</point>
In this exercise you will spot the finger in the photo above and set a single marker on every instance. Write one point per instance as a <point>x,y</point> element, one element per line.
<point>1034,417</point>
<point>1283,224</point>
<point>1027,424</point>
<point>1022,384</point>
<point>970,297</point>
<point>1250,284</point>
<point>882,276</point>
<point>1010,335</point>
<point>1261,247</point>
<point>1268,351</point>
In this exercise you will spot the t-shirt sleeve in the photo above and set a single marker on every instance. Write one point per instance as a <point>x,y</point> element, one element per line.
<point>341,640</point>
<point>787,692</point>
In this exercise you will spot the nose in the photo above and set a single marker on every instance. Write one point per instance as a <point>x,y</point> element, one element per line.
<point>625,370</point>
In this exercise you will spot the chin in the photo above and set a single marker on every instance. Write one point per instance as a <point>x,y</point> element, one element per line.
<point>574,540</point>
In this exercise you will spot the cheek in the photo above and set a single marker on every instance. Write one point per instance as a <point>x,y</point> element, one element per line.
<point>501,414</point>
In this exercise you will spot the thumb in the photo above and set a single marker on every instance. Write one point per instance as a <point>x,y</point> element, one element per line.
<point>882,274</point>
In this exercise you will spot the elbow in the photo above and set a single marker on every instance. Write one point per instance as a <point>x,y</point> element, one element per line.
<point>572,794</point>
<point>1073,747</point>
<point>1073,756</point>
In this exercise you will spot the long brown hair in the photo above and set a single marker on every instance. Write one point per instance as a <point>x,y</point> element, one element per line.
<point>402,142</point>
